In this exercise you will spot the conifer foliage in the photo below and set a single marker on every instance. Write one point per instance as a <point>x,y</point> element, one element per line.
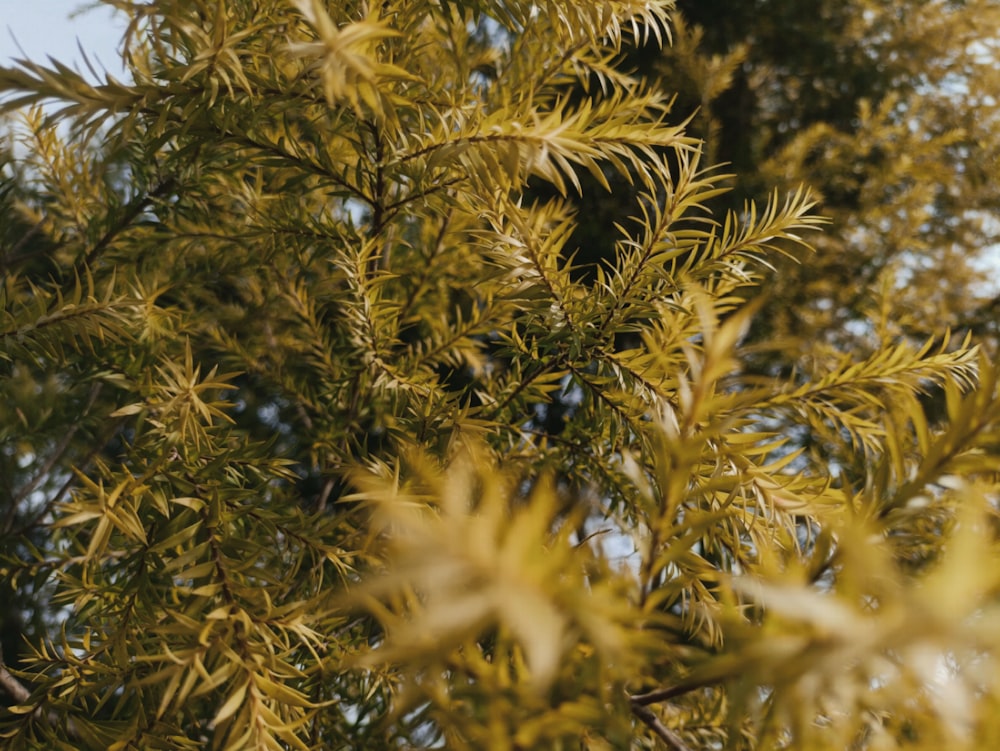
<point>313,436</point>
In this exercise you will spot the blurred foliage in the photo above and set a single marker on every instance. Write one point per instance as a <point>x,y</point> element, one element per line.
<point>888,112</point>
<point>317,434</point>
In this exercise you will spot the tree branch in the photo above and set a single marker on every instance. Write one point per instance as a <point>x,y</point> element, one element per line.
<point>655,724</point>
<point>14,688</point>
<point>671,692</point>
<point>56,455</point>
<point>15,255</point>
<point>132,211</point>
<point>20,693</point>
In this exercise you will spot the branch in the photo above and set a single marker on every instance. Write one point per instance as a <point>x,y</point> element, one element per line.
<point>14,688</point>
<point>664,733</point>
<point>671,692</point>
<point>95,449</point>
<point>20,693</point>
<point>14,255</point>
<point>57,454</point>
<point>132,211</point>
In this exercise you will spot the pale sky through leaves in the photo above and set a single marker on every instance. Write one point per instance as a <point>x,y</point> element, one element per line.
<point>44,28</point>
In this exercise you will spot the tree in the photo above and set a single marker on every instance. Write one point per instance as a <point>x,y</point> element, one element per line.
<point>885,110</point>
<point>316,438</point>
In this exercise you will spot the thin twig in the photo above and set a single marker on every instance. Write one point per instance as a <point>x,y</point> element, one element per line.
<point>131,211</point>
<point>324,496</point>
<point>20,693</point>
<point>664,733</point>
<point>671,692</point>
<point>57,454</point>
<point>95,449</point>
<point>14,255</point>
<point>14,688</point>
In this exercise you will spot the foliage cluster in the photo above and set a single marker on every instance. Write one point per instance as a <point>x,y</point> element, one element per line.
<point>316,435</point>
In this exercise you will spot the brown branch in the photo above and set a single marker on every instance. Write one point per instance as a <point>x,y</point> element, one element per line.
<point>14,688</point>
<point>425,271</point>
<point>324,496</point>
<point>95,449</point>
<point>20,693</point>
<point>654,723</point>
<point>298,160</point>
<point>14,255</point>
<point>379,194</point>
<point>672,692</point>
<point>57,454</point>
<point>133,210</point>
<point>526,381</point>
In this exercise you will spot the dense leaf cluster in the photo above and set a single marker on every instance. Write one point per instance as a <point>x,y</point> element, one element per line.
<point>315,434</point>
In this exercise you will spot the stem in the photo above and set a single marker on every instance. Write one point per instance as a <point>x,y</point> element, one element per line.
<point>380,259</point>
<point>132,211</point>
<point>14,688</point>
<point>671,692</point>
<point>57,454</point>
<point>655,724</point>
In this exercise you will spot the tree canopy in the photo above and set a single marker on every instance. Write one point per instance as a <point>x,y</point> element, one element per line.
<point>323,428</point>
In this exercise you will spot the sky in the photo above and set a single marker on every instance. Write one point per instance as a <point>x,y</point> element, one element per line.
<point>44,27</point>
